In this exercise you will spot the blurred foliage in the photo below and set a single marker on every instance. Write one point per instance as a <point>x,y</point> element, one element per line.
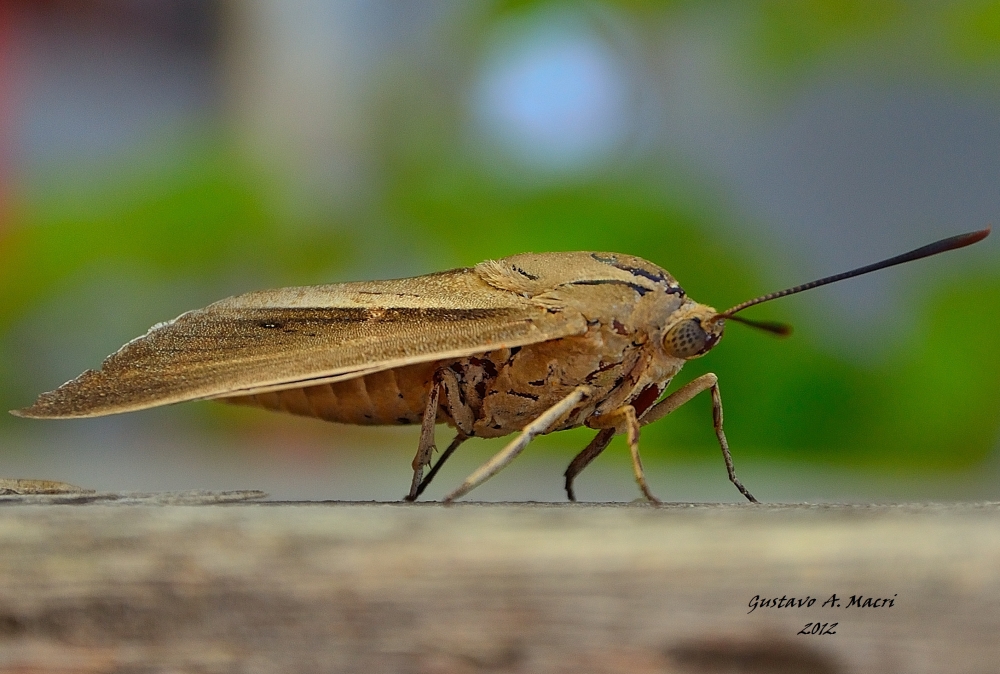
<point>797,35</point>
<point>945,39</point>
<point>973,31</point>
<point>204,212</point>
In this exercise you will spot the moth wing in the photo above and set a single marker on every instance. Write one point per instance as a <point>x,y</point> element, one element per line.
<point>292,337</point>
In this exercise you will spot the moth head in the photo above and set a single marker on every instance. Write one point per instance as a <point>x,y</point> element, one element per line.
<point>694,333</point>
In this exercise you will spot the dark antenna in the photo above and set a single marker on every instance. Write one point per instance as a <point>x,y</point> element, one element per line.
<point>951,243</point>
<point>774,327</point>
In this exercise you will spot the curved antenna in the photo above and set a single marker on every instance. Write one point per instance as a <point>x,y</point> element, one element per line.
<point>951,243</point>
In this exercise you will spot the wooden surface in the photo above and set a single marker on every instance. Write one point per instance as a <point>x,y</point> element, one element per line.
<point>147,583</point>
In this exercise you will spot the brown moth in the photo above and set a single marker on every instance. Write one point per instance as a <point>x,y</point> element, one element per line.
<point>532,344</point>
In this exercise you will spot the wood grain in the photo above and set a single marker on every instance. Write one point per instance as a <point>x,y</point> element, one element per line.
<point>129,585</point>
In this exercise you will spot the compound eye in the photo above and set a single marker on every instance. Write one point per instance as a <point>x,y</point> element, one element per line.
<point>686,339</point>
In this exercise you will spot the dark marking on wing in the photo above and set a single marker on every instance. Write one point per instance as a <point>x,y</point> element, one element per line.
<point>383,294</point>
<point>658,277</point>
<point>387,315</point>
<point>294,320</point>
<point>523,273</point>
<point>608,281</point>
<point>619,327</point>
<point>655,277</point>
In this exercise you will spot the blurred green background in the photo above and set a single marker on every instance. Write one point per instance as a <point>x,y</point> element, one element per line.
<point>158,156</point>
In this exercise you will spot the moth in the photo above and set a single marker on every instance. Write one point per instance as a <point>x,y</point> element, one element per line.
<point>528,344</point>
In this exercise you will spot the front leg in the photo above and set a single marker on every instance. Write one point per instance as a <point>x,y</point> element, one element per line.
<point>684,394</point>
<point>655,413</point>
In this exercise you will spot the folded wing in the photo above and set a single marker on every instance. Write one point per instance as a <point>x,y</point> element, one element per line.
<point>287,338</point>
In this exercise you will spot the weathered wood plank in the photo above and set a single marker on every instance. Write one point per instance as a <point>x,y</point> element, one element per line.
<point>333,587</point>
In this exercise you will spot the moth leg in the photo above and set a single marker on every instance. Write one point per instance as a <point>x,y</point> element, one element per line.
<point>459,439</point>
<point>632,435</point>
<point>462,415</point>
<point>459,411</point>
<point>542,423</point>
<point>613,421</point>
<point>583,459</point>
<point>426,446</point>
<point>683,395</point>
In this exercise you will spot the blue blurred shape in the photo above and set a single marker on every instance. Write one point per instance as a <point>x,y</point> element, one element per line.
<point>552,93</point>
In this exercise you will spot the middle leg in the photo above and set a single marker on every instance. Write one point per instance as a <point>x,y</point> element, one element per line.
<point>583,459</point>
<point>613,421</point>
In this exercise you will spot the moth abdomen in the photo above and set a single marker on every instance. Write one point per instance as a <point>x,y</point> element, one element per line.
<point>390,397</point>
